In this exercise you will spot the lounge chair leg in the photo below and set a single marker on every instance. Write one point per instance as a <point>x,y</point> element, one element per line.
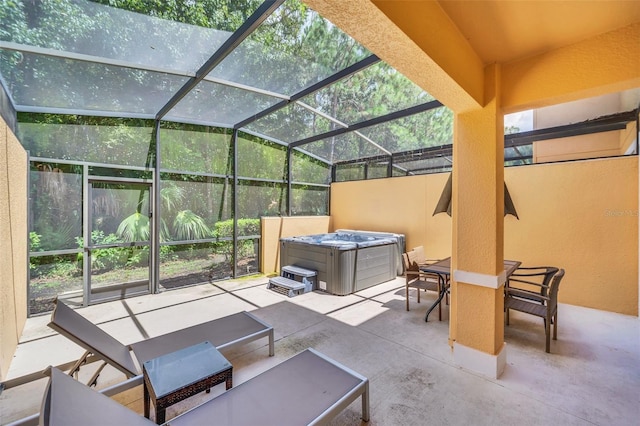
<point>271,344</point>
<point>365,402</point>
<point>94,379</point>
<point>76,367</point>
<point>555,327</point>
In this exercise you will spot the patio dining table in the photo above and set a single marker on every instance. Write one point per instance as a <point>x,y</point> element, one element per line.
<point>442,269</point>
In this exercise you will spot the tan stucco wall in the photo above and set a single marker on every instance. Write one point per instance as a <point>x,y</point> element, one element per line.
<point>13,234</point>
<point>628,137</point>
<point>399,205</point>
<point>274,228</point>
<point>581,216</point>
<point>578,147</point>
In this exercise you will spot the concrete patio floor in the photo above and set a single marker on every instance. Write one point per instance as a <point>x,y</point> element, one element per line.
<point>591,376</point>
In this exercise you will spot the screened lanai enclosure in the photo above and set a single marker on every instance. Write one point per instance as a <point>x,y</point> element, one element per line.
<point>159,133</point>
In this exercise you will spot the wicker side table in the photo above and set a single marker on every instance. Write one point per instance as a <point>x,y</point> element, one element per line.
<point>179,375</point>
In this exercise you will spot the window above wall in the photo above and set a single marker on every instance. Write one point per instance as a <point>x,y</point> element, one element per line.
<point>602,126</point>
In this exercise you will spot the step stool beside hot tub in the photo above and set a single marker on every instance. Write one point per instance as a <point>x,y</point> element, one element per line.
<point>294,280</point>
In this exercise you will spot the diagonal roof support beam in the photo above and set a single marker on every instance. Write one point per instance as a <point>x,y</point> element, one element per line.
<point>368,61</point>
<point>367,123</point>
<point>253,22</point>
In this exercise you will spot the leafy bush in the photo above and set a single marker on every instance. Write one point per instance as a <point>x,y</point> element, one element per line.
<point>223,232</point>
<point>189,226</point>
<point>166,253</point>
<point>55,267</point>
<point>34,241</point>
<point>65,269</point>
<point>34,245</point>
<point>107,258</point>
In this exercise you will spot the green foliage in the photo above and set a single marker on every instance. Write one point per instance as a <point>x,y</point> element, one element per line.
<point>292,49</point>
<point>66,269</point>
<point>62,236</point>
<point>309,170</point>
<point>248,227</point>
<point>508,130</point>
<point>192,148</point>
<point>134,228</point>
<point>171,196</point>
<point>34,241</point>
<point>270,157</point>
<point>221,14</point>
<point>95,139</point>
<point>55,267</point>
<point>119,257</point>
<point>190,226</point>
<point>223,232</point>
<point>137,256</point>
<point>56,202</point>
<point>223,229</point>
<point>166,253</point>
<point>106,258</point>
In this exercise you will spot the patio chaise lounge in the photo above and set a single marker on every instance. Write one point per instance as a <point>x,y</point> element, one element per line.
<point>225,332</point>
<point>308,388</point>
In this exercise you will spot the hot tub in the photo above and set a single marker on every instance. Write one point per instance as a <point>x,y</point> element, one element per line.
<point>346,262</point>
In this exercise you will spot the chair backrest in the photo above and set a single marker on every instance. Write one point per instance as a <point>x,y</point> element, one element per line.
<point>554,287</point>
<point>411,262</point>
<point>540,276</point>
<point>418,255</point>
<point>405,261</point>
<point>83,332</point>
<point>549,273</point>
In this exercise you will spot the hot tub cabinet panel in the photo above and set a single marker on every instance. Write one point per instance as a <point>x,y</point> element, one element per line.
<point>344,266</point>
<point>399,239</point>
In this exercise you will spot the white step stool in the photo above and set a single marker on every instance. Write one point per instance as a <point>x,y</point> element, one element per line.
<point>293,281</point>
<point>285,286</point>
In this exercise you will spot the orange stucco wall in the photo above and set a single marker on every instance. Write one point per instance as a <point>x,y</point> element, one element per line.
<point>478,223</point>
<point>579,147</point>
<point>581,216</point>
<point>274,228</point>
<point>399,205</point>
<point>13,234</point>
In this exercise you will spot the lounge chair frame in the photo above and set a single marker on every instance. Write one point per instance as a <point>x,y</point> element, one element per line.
<point>307,376</point>
<point>224,333</point>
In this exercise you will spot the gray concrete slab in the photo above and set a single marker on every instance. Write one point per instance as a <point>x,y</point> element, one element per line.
<point>590,377</point>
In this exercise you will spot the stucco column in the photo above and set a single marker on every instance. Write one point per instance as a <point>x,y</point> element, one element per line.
<point>477,319</point>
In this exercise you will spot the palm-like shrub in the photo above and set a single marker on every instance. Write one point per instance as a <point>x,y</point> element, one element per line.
<point>134,228</point>
<point>189,226</point>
